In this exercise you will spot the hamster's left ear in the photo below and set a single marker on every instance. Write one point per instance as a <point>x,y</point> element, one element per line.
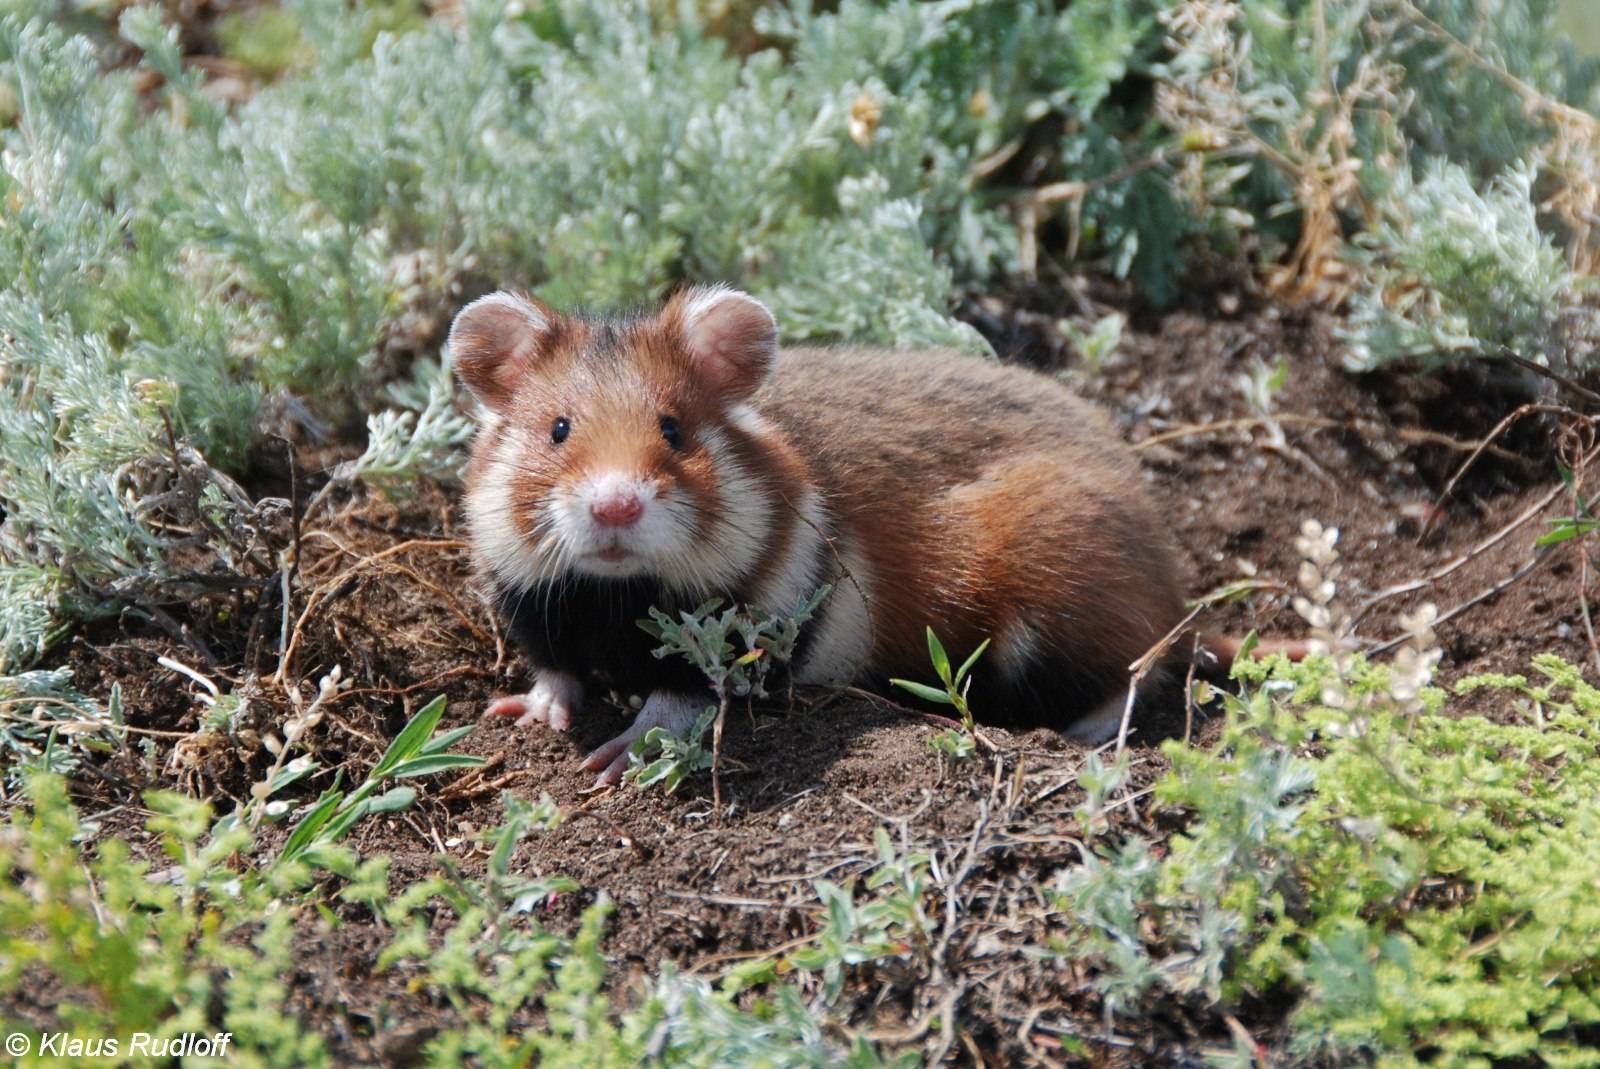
<point>731,337</point>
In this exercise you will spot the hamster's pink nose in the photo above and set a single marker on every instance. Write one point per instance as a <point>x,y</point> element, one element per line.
<point>617,510</point>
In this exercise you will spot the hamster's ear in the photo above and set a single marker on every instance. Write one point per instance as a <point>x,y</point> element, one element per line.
<point>495,340</point>
<point>730,336</point>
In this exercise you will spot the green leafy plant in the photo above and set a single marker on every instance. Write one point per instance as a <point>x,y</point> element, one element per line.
<point>1582,522</point>
<point>266,41</point>
<point>1397,871</point>
<point>952,744</point>
<point>145,951</point>
<point>955,684</point>
<point>890,923</point>
<point>1096,345</point>
<point>47,725</point>
<point>208,945</point>
<point>736,650</point>
<point>676,755</point>
<point>416,751</point>
<point>425,437</point>
<point>1458,273</point>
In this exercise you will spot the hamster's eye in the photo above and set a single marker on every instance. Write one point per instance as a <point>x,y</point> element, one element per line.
<point>669,431</point>
<point>562,428</point>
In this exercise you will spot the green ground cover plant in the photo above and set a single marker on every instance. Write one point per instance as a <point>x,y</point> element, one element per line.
<point>1420,882</point>
<point>210,940</point>
<point>1417,882</point>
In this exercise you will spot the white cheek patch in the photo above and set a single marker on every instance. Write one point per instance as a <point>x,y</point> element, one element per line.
<point>496,537</point>
<point>738,534</point>
<point>751,422</point>
<point>842,642</point>
<point>796,576</point>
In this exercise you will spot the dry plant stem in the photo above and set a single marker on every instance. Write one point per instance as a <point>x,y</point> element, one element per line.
<point>1530,96</point>
<point>1583,603</point>
<point>424,684</point>
<point>1028,208</point>
<point>448,599</point>
<point>19,718</point>
<point>716,960</point>
<point>716,754</point>
<point>833,550</point>
<point>1495,588</point>
<point>1551,374</point>
<point>1142,666</point>
<point>1578,508</point>
<point>1500,428</point>
<point>1405,434</point>
<point>1025,1039</point>
<point>1188,694</point>
<point>286,568</point>
<point>1488,592</point>
<point>1487,544</point>
<point>327,689</point>
<point>289,562</point>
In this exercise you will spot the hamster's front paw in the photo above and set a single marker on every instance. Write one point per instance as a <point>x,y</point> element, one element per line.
<point>551,701</point>
<point>675,712</point>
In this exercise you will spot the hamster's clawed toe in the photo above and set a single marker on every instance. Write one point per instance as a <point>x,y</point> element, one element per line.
<point>673,712</point>
<point>551,701</point>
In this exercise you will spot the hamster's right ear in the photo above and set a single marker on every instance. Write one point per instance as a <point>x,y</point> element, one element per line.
<point>495,340</point>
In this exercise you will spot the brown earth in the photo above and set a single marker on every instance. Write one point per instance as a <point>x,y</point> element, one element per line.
<point>805,788</point>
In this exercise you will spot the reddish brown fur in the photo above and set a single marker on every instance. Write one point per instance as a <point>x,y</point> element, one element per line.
<point>981,494</point>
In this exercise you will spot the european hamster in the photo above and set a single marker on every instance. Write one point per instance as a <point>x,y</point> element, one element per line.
<point>658,460</point>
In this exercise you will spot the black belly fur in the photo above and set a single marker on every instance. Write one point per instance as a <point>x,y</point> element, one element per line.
<point>589,628</point>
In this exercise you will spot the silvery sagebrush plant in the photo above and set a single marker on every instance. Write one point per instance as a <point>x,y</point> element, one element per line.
<point>1458,272</point>
<point>48,725</point>
<point>736,649</point>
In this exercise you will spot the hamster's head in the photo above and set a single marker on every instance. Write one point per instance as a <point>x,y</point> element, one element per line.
<point>613,448</point>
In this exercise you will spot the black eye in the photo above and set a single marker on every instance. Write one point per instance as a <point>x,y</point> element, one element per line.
<point>562,428</point>
<point>669,431</point>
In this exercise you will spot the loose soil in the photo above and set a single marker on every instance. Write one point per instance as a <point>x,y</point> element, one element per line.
<point>385,592</point>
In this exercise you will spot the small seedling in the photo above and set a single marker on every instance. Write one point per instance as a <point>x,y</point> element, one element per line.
<point>888,923</point>
<point>956,684</point>
<point>509,891</point>
<point>952,744</point>
<point>1098,344</point>
<point>1566,528</point>
<point>416,751</point>
<point>1262,383</point>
